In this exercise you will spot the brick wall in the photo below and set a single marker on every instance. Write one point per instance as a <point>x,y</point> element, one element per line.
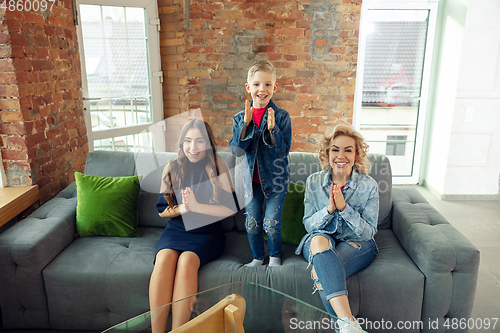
<point>207,48</point>
<point>42,128</point>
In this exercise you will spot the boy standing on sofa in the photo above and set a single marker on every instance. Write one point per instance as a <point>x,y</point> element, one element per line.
<point>263,133</point>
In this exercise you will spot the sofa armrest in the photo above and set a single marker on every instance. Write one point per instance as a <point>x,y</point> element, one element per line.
<point>449,261</point>
<point>25,249</point>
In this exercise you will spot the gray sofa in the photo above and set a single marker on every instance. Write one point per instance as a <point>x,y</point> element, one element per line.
<point>426,271</point>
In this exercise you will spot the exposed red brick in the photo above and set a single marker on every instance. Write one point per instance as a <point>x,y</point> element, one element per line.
<point>33,17</point>
<point>320,42</point>
<point>19,39</point>
<point>289,32</point>
<point>10,116</point>
<point>9,104</point>
<point>41,70</point>
<point>35,139</point>
<point>11,154</point>
<point>222,43</point>
<point>15,142</point>
<point>6,65</point>
<point>4,38</point>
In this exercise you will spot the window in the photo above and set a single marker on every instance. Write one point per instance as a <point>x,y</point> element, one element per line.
<point>395,50</point>
<point>119,51</point>
<point>396,145</point>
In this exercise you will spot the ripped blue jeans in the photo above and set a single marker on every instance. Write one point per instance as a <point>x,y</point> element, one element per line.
<point>270,221</point>
<point>334,265</point>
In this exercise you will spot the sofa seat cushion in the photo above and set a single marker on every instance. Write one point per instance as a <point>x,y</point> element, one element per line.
<point>391,279</point>
<point>97,282</point>
<point>291,277</point>
<point>380,170</point>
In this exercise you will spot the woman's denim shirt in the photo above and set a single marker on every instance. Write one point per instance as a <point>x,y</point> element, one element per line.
<point>358,220</point>
<point>272,159</point>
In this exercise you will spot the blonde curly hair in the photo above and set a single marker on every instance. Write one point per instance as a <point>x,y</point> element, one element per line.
<point>361,163</point>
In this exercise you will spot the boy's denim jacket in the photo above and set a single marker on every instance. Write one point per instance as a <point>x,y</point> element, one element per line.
<point>272,160</point>
<point>358,220</point>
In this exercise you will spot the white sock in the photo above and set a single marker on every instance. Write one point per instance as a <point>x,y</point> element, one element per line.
<point>255,263</point>
<point>274,261</point>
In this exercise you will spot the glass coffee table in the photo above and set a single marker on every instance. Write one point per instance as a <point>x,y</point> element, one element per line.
<point>264,309</point>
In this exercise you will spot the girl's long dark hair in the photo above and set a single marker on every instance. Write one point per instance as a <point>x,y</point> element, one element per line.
<point>178,166</point>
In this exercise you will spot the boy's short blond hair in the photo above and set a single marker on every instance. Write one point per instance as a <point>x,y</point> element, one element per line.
<point>261,65</point>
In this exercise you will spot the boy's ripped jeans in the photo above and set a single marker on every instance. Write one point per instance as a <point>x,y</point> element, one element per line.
<point>270,221</point>
<point>334,265</point>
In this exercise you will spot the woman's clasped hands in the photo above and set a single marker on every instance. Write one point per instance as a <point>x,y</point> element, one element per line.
<point>337,200</point>
<point>189,201</point>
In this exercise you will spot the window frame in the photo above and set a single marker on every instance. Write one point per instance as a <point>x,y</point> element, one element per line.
<point>152,30</point>
<point>432,6</point>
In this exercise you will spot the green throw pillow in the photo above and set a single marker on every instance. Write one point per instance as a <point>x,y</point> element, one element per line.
<point>107,206</point>
<point>292,228</point>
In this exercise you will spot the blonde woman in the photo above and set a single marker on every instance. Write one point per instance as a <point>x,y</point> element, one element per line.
<point>341,215</point>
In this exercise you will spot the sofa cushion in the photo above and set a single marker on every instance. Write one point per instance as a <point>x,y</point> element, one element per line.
<point>392,279</point>
<point>150,165</point>
<point>380,170</point>
<point>292,277</point>
<point>107,206</point>
<point>98,282</point>
<point>302,165</point>
<point>110,163</point>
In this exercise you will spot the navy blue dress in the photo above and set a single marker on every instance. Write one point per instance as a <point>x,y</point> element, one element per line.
<point>208,240</point>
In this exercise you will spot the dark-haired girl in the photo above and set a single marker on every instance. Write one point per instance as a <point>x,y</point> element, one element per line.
<point>196,193</point>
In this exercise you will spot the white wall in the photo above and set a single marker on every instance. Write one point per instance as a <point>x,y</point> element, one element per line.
<point>463,148</point>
